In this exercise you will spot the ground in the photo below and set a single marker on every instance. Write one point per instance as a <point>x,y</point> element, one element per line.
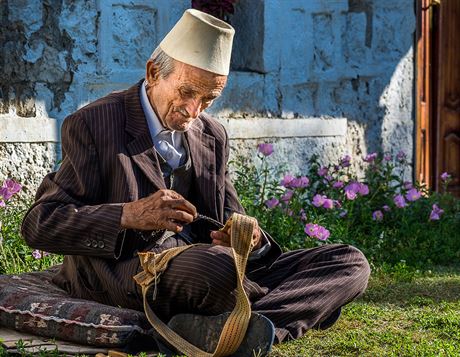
<point>403,313</point>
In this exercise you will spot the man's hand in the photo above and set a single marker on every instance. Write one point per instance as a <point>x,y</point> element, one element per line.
<point>223,238</point>
<point>165,209</point>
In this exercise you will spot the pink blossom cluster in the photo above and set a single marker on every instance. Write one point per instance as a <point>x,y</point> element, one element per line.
<point>322,201</point>
<point>436,213</point>
<point>353,189</point>
<point>290,181</point>
<point>8,190</point>
<point>266,149</point>
<point>316,231</point>
<point>38,254</point>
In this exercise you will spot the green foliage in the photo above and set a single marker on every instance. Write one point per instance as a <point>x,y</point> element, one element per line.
<point>389,219</point>
<point>15,256</point>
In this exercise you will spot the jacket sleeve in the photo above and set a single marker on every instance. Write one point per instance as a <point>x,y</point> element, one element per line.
<point>68,217</point>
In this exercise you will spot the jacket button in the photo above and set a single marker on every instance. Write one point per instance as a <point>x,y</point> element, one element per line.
<point>94,243</point>
<point>100,244</point>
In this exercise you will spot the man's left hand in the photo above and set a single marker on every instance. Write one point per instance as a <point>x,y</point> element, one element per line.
<point>223,238</point>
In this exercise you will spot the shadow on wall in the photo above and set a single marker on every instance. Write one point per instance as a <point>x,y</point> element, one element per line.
<point>292,59</point>
<point>351,59</point>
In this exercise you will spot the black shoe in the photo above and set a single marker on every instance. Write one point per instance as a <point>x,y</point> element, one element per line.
<point>204,332</point>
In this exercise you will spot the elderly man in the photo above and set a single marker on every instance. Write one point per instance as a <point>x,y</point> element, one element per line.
<point>139,165</point>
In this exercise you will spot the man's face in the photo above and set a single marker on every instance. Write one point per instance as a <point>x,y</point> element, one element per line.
<point>179,98</point>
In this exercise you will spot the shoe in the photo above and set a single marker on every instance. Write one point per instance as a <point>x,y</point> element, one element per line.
<point>204,332</point>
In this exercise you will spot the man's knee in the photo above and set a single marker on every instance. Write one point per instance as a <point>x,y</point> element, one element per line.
<point>201,278</point>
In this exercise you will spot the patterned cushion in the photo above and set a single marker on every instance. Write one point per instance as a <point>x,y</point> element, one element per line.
<point>31,303</point>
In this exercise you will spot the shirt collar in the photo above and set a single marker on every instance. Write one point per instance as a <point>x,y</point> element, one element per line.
<point>153,122</point>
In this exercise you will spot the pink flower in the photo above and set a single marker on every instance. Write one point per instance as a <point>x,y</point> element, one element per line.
<point>445,176</point>
<point>350,194</point>
<point>338,184</point>
<point>413,195</point>
<point>387,157</point>
<point>311,229</point>
<point>303,215</point>
<point>407,185</point>
<point>265,149</point>
<point>300,182</point>
<point>287,180</point>
<point>318,200</point>
<point>351,190</point>
<point>345,162</point>
<point>287,196</point>
<point>317,231</point>
<point>436,213</point>
<point>272,202</point>
<point>2,203</point>
<point>386,208</point>
<point>371,157</point>
<point>363,189</point>
<point>37,254</point>
<point>328,203</point>
<point>377,215</point>
<point>323,171</point>
<point>322,233</point>
<point>9,188</point>
<point>401,155</point>
<point>399,201</point>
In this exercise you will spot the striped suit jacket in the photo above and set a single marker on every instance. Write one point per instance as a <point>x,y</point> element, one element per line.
<point>109,159</point>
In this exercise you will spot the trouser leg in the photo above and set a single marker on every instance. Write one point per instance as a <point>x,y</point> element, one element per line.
<point>200,280</point>
<point>306,286</point>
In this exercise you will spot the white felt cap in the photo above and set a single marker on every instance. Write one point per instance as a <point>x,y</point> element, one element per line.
<point>200,40</point>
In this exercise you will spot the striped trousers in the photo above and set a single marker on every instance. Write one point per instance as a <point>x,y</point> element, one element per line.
<point>299,291</point>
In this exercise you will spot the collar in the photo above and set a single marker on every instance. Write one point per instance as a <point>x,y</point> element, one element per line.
<point>153,122</point>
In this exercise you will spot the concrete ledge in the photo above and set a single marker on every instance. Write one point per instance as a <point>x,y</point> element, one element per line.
<point>255,128</point>
<point>28,130</point>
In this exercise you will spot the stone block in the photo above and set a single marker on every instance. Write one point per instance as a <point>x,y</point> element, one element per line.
<point>355,51</point>
<point>248,43</point>
<point>393,35</point>
<point>133,36</point>
<point>299,100</point>
<point>244,95</point>
<point>297,52</point>
<point>324,42</point>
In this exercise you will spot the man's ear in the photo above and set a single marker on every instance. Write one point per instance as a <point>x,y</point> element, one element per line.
<point>152,74</point>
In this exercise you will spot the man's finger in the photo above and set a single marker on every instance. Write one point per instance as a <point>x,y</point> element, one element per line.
<point>222,243</point>
<point>181,204</point>
<point>179,216</point>
<point>173,226</point>
<point>218,235</point>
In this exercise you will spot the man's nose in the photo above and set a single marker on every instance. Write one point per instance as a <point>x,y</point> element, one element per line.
<point>193,108</point>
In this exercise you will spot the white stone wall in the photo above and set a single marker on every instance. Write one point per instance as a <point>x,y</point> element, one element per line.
<point>338,73</point>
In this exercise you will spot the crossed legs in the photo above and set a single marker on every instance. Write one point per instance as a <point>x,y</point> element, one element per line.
<point>298,292</point>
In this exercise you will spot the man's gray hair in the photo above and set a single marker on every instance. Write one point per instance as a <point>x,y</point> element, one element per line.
<point>163,62</point>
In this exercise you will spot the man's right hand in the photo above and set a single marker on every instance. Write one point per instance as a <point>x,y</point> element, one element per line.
<point>165,209</point>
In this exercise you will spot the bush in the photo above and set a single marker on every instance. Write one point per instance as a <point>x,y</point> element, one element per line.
<point>15,256</point>
<point>389,219</point>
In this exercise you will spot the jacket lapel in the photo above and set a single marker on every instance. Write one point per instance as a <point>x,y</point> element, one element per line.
<point>202,152</point>
<point>141,147</point>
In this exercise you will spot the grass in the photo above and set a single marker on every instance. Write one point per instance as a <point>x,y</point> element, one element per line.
<point>413,314</point>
